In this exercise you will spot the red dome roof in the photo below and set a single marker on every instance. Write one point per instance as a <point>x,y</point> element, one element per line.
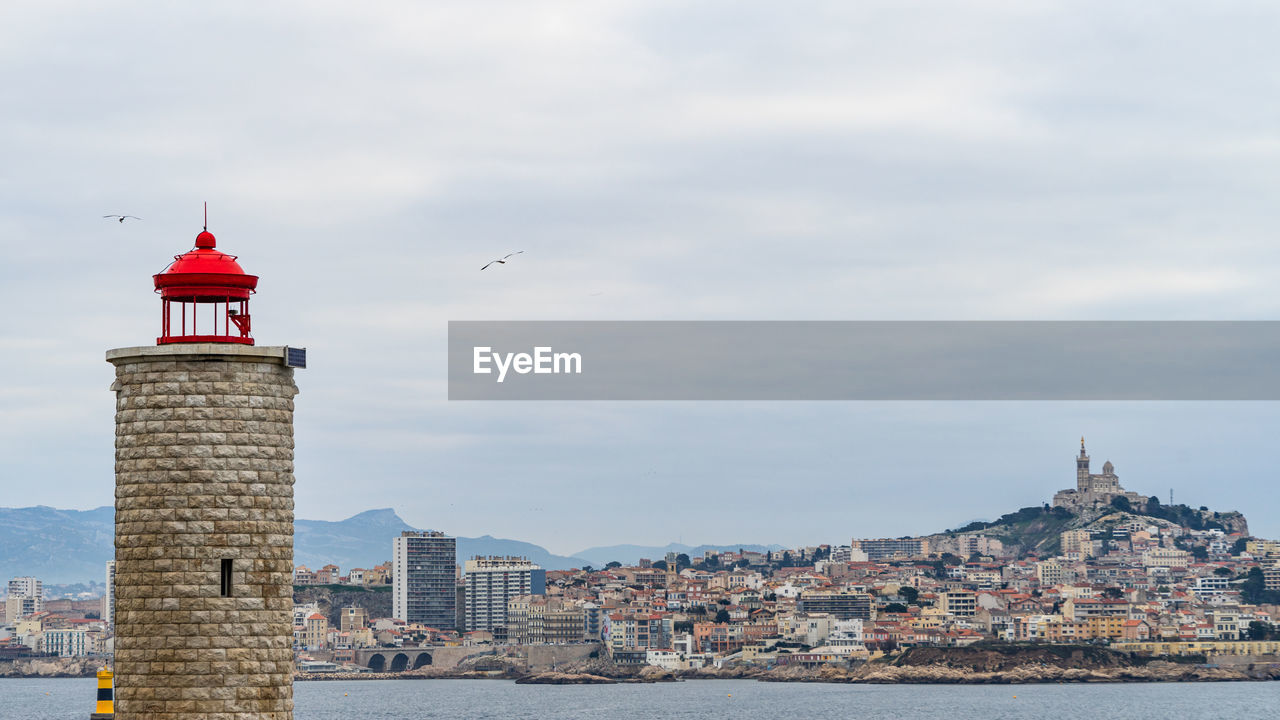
<point>205,272</point>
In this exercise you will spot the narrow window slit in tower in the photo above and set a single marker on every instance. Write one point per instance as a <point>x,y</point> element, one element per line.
<point>225,586</point>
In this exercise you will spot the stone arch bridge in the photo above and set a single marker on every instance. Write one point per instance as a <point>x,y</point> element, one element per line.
<point>412,658</point>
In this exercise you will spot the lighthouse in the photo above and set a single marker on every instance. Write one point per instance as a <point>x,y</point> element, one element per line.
<point>204,504</point>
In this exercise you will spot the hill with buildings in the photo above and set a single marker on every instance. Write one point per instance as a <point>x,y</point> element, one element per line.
<point>1038,530</point>
<point>1098,504</point>
<point>1098,495</point>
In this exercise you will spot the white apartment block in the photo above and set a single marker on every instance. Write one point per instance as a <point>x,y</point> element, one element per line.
<point>26,596</point>
<point>491,582</point>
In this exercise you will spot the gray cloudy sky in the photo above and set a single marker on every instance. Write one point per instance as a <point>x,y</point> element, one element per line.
<point>654,160</point>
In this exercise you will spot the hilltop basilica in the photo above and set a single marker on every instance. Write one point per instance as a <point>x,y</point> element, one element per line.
<point>1094,490</point>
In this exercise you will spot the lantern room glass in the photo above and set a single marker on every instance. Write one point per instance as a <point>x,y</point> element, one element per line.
<point>223,320</point>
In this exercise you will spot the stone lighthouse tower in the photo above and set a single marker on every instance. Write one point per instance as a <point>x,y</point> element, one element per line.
<point>204,505</point>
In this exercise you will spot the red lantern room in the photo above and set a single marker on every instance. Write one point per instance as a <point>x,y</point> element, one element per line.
<point>205,294</point>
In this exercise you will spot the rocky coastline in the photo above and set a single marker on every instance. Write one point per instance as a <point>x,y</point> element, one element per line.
<point>867,674</point>
<point>970,666</point>
<point>964,666</point>
<point>52,667</point>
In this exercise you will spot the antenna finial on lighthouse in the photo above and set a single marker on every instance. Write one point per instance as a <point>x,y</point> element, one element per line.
<point>206,216</point>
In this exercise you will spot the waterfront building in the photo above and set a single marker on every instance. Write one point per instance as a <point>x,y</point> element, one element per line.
<point>718,638</point>
<point>592,621</point>
<point>541,620</point>
<point>636,632</point>
<point>66,642</point>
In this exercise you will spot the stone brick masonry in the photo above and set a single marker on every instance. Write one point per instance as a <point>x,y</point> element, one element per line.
<point>204,474</point>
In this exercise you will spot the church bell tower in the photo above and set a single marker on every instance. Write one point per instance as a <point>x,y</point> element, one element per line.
<point>1082,469</point>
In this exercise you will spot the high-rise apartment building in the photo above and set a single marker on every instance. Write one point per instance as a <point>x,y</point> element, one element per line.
<point>109,596</point>
<point>423,589</point>
<point>491,582</point>
<point>28,586</point>
<point>26,596</point>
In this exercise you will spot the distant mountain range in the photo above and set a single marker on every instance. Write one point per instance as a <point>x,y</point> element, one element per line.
<point>364,540</point>
<point>57,546</point>
<point>72,546</point>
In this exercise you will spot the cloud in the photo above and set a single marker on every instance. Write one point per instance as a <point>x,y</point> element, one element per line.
<point>655,160</point>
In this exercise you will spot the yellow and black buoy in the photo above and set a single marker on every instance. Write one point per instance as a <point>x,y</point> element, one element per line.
<point>106,707</point>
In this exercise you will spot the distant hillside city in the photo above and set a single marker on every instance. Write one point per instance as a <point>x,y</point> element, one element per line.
<point>1098,564</point>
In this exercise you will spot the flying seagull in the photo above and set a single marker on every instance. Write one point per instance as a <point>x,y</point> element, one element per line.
<point>122,217</point>
<point>502,260</point>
